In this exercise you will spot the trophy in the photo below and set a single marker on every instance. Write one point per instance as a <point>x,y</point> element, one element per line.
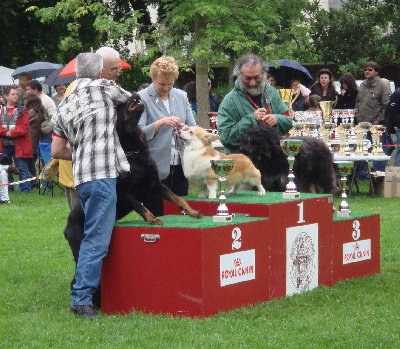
<point>359,138</point>
<point>344,170</point>
<point>347,127</point>
<point>380,129</point>
<point>365,125</point>
<point>286,96</point>
<point>222,168</point>
<point>213,121</point>
<point>326,108</point>
<point>291,147</point>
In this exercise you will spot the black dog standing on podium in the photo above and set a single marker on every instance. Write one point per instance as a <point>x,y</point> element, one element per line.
<point>133,187</point>
<point>313,166</point>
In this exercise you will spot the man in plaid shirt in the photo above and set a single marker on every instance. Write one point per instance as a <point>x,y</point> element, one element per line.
<point>86,120</point>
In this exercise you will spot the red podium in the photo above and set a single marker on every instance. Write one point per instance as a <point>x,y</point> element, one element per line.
<point>272,248</point>
<point>187,267</point>
<point>300,232</point>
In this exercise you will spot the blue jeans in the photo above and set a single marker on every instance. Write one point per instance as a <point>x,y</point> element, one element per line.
<point>397,156</point>
<point>22,165</point>
<point>99,199</point>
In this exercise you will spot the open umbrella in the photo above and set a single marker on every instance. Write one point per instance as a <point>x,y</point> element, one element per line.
<point>69,69</point>
<point>54,79</point>
<point>285,69</point>
<point>36,69</point>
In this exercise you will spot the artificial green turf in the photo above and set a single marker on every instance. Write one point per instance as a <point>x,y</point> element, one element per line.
<point>36,267</point>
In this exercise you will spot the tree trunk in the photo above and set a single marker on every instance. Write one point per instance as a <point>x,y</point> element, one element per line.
<point>203,104</point>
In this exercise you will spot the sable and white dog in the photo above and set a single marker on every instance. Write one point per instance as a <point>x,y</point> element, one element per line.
<point>197,167</point>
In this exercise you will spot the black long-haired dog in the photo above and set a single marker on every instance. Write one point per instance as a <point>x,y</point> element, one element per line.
<point>313,167</point>
<point>134,186</point>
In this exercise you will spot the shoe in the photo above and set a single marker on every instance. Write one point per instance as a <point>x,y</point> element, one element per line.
<point>12,169</point>
<point>86,311</point>
<point>5,202</point>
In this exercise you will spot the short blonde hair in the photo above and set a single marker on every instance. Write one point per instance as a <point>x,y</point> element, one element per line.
<point>164,66</point>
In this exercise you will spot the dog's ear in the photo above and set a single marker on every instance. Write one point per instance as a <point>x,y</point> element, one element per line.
<point>211,137</point>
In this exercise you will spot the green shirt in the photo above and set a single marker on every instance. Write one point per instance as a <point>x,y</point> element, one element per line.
<point>235,116</point>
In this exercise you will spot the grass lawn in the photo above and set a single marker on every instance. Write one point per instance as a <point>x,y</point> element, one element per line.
<point>36,266</point>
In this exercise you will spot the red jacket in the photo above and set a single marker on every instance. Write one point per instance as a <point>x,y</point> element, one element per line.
<point>20,133</point>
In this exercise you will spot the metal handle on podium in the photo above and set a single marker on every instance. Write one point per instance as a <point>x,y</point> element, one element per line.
<point>240,214</point>
<point>149,237</point>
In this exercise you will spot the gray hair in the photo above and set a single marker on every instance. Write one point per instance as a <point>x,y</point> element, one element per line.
<point>252,60</point>
<point>88,65</point>
<point>107,52</point>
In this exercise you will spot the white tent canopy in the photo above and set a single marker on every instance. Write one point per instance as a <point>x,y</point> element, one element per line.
<point>5,77</point>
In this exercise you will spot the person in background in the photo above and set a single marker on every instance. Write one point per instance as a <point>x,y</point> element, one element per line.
<point>392,121</point>
<point>251,101</point>
<point>5,166</point>
<point>190,89</point>
<point>314,102</point>
<point>324,87</point>
<point>59,96</point>
<point>23,78</point>
<point>372,99</point>
<point>143,86</point>
<point>49,106</point>
<point>299,102</point>
<point>14,137</point>
<point>349,91</point>
<point>166,110</point>
<point>111,63</point>
<point>271,80</point>
<point>214,102</point>
<point>92,101</point>
<point>37,115</point>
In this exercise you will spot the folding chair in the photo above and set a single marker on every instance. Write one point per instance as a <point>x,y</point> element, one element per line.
<point>44,158</point>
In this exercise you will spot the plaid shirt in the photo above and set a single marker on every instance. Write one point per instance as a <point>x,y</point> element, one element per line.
<point>87,118</point>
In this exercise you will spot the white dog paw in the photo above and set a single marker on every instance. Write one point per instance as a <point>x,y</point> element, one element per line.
<point>202,195</point>
<point>261,191</point>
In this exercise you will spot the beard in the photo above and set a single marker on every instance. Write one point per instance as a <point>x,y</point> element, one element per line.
<point>252,91</point>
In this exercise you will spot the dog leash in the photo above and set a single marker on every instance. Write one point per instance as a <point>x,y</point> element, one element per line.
<point>255,105</point>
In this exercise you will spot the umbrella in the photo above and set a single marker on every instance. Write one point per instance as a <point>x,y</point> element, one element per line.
<point>69,69</point>
<point>36,69</point>
<point>284,70</point>
<point>54,79</point>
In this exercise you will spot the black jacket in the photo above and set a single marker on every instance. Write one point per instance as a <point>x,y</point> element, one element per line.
<point>392,112</point>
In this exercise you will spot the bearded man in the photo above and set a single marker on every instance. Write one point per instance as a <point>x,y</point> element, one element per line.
<point>251,101</point>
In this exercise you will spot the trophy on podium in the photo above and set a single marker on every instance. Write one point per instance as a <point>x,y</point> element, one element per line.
<point>344,170</point>
<point>291,147</point>
<point>222,168</point>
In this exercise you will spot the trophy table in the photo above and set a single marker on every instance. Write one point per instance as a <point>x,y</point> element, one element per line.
<point>291,147</point>
<point>222,168</point>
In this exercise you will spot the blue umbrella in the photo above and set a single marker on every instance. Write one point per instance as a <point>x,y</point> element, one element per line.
<point>36,69</point>
<point>54,79</point>
<point>284,70</point>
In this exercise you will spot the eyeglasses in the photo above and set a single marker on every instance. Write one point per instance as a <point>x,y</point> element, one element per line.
<point>256,78</point>
<point>113,70</point>
<point>369,69</point>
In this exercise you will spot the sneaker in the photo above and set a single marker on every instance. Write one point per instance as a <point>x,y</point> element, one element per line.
<point>5,202</point>
<point>86,311</point>
<point>12,169</point>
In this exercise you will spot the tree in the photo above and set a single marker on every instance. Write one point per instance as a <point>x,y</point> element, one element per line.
<point>203,33</point>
